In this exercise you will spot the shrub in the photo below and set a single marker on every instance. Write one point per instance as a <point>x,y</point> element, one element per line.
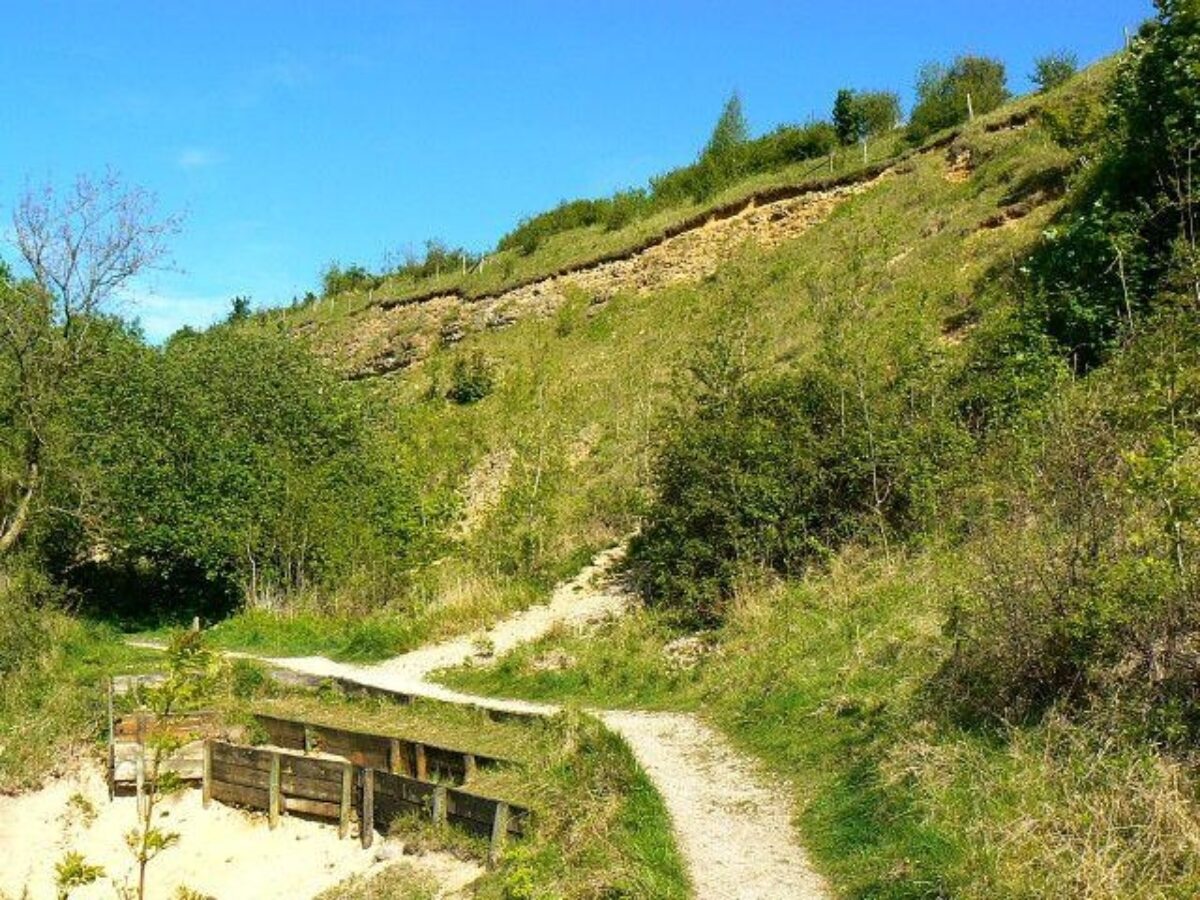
<point>336,280</point>
<point>778,472</point>
<point>1086,595</point>
<point>1053,69</point>
<point>471,379</point>
<point>942,93</point>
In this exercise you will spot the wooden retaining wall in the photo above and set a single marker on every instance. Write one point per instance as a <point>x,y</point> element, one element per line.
<point>282,781</point>
<point>383,796</point>
<point>401,756</point>
<point>279,781</point>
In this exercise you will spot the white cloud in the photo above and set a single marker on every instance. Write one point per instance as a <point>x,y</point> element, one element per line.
<point>191,158</point>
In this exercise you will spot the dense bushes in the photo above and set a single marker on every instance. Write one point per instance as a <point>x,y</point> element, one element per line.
<point>229,465</point>
<point>1087,594</point>
<point>779,472</point>
<point>1130,240</point>
<point>943,92</point>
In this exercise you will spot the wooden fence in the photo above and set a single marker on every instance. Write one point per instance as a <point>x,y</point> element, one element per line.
<point>280,781</point>
<point>400,756</point>
<point>384,796</point>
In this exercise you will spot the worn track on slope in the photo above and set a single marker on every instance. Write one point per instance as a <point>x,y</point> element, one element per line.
<point>732,828</point>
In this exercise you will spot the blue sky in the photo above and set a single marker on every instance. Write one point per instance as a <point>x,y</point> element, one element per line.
<point>295,133</point>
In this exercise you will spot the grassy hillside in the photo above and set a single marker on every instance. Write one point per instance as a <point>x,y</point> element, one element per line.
<point>837,678</point>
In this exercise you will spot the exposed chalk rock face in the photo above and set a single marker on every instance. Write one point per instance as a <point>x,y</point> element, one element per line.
<point>397,336</point>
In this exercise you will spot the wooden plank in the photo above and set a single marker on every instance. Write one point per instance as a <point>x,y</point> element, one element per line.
<point>397,758</point>
<point>471,806</point>
<point>469,767</point>
<point>273,789</point>
<point>366,815</point>
<point>401,787</point>
<point>322,808</point>
<point>439,805</point>
<point>240,795</point>
<point>283,732</point>
<point>249,757</point>
<point>290,785</point>
<point>312,769</point>
<point>420,769</point>
<point>367,750</point>
<point>112,762</point>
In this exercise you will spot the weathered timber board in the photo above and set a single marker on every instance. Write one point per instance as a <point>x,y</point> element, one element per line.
<point>396,794</point>
<point>289,785</point>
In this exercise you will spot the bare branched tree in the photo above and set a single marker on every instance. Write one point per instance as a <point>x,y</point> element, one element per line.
<point>82,246</point>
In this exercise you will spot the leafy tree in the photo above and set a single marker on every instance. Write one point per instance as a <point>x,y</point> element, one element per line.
<point>81,247</point>
<point>857,115</point>
<point>879,111</point>
<point>942,93</point>
<point>847,117</point>
<point>230,465</point>
<point>1053,69</point>
<point>730,132</point>
<point>239,309</point>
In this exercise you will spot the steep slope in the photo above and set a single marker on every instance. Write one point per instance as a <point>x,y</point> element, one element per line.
<point>582,374</point>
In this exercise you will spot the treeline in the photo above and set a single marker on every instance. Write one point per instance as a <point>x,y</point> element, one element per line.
<point>946,96</point>
<point>1058,454</point>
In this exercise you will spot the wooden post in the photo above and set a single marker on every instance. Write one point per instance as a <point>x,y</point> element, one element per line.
<point>439,805</point>
<point>396,765</point>
<point>273,792</point>
<point>422,769</point>
<point>499,833</point>
<point>195,623</point>
<point>112,748</point>
<point>366,812</point>
<point>347,787</point>
<point>864,143</point>
<point>970,109</point>
<point>469,767</point>
<point>206,788</point>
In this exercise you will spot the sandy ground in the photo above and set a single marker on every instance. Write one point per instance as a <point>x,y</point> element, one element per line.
<point>732,828</point>
<point>222,851</point>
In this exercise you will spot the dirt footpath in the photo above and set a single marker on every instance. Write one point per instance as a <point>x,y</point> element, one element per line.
<point>733,829</point>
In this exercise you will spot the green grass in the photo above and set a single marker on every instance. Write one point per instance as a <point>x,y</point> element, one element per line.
<point>824,680</point>
<point>445,607</point>
<point>52,705</point>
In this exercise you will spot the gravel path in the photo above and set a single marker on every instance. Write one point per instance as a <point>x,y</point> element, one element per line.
<point>733,830</point>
